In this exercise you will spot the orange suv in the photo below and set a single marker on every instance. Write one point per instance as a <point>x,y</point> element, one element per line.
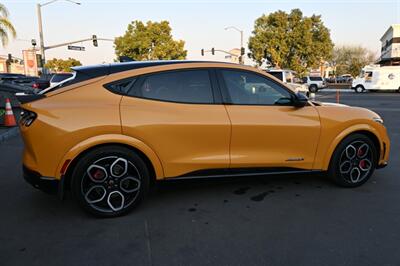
<point>110,130</point>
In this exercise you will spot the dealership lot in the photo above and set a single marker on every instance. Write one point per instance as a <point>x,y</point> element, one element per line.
<point>265,220</point>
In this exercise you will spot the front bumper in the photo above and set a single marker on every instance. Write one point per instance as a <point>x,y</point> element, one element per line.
<point>382,165</point>
<point>46,184</point>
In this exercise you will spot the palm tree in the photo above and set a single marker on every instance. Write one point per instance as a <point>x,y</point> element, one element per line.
<point>6,28</point>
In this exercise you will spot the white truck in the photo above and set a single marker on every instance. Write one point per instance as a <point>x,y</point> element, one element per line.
<point>289,78</point>
<point>377,78</point>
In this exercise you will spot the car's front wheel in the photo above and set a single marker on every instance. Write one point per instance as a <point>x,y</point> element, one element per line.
<point>353,161</point>
<point>110,181</point>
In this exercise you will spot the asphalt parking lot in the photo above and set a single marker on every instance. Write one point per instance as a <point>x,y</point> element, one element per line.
<point>265,220</point>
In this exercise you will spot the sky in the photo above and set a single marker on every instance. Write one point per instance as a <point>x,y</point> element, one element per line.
<point>199,23</point>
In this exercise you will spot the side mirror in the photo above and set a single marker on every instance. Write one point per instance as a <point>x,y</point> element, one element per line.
<point>300,100</point>
<point>284,101</point>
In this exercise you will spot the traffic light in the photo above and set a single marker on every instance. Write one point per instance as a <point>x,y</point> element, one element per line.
<point>39,60</point>
<point>94,38</point>
<point>242,51</point>
<point>202,52</point>
<point>213,51</point>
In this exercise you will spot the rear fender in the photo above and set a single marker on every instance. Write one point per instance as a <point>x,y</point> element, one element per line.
<point>112,139</point>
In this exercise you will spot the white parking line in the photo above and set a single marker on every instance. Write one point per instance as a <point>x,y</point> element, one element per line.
<point>334,90</point>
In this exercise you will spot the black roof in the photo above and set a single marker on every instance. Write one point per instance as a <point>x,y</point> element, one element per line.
<point>107,69</point>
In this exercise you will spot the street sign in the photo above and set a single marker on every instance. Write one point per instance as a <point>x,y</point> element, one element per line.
<point>76,48</point>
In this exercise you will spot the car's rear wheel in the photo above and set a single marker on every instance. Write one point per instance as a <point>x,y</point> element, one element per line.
<point>110,181</point>
<point>313,88</point>
<point>353,161</point>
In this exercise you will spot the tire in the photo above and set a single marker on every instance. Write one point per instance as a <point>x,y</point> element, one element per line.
<point>359,89</point>
<point>110,181</point>
<point>353,161</point>
<point>313,88</point>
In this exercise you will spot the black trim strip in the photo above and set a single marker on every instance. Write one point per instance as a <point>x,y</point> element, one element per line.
<point>219,173</point>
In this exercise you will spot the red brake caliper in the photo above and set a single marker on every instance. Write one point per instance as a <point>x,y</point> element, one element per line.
<point>98,174</point>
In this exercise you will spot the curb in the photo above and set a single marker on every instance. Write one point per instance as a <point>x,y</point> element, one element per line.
<point>9,134</point>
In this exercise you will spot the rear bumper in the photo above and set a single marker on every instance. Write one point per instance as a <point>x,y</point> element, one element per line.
<point>46,184</point>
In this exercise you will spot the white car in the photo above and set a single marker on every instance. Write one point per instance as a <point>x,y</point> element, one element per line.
<point>375,78</point>
<point>314,83</point>
<point>289,78</point>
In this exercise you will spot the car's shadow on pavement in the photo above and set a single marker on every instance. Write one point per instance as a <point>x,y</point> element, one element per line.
<point>186,194</point>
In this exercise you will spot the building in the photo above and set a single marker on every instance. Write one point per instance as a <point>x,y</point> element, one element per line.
<point>390,52</point>
<point>234,55</point>
<point>16,67</point>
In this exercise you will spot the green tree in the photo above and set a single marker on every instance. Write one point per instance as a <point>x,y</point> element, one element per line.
<point>351,59</point>
<point>6,28</point>
<point>61,65</point>
<point>290,41</point>
<point>150,41</point>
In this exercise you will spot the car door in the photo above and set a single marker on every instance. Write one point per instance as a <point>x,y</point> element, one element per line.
<point>267,130</point>
<point>180,116</point>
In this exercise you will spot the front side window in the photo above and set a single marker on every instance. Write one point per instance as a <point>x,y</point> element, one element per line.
<point>188,86</point>
<point>248,88</point>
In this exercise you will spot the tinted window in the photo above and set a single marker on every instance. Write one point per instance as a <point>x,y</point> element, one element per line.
<point>278,75</point>
<point>248,88</point>
<point>316,79</point>
<point>191,86</point>
<point>121,86</point>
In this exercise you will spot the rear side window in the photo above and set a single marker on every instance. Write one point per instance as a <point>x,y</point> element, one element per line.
<point>187,86</point>
<point>316,79</point>
<point>121,86</point>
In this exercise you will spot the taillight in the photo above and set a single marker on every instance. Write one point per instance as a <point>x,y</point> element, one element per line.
<point>27,118</point>
<point>35,85</point>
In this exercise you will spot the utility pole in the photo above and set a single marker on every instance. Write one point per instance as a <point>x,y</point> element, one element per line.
<point>241,59</point>
<point>39,14</point>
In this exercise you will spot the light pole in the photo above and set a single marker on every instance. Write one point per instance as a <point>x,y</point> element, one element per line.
<point>241,61</point>
<point>39,14</point>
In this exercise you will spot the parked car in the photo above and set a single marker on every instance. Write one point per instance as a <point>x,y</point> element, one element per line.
<point>25,81</point>
<point>375,77</point>
<point>59,77</point>
<point>9,77</point>
<point>289,78</point>
<point>115,128</point>
<point>41,84</point>
<point>345,78</point>
<point>314,83</point>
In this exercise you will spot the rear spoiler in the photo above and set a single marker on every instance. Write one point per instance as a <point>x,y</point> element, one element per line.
<point>22,97</point>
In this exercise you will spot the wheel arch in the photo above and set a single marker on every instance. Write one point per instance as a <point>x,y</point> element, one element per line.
<point>359,129</point>
<point>359,86</point>
<point>150,158</point>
